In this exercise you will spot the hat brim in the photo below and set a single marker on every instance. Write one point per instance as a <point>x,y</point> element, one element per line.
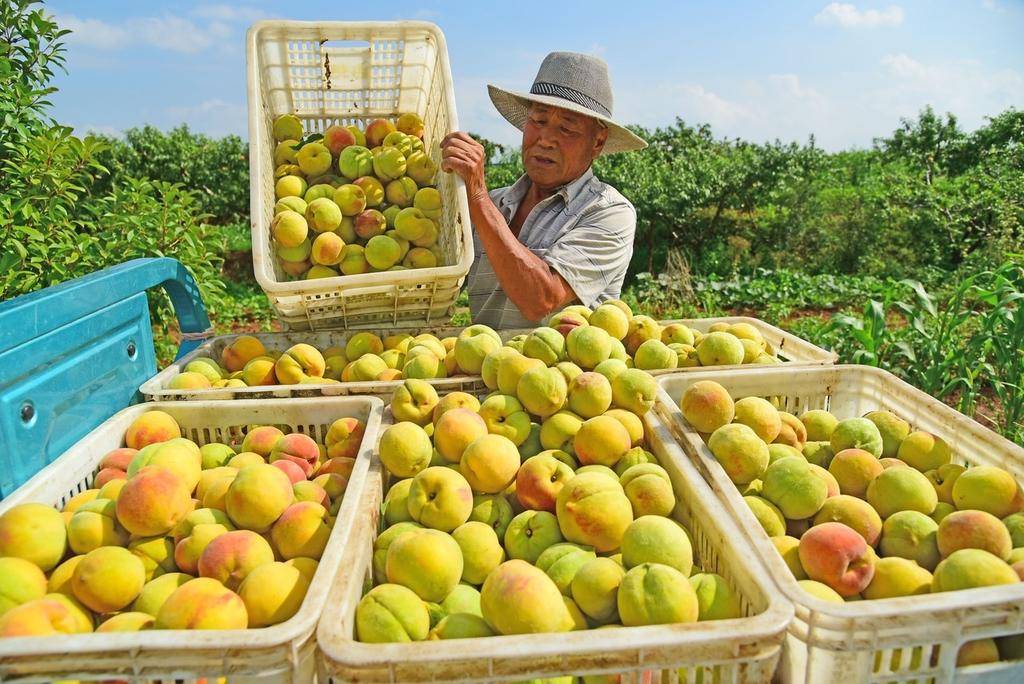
<point>513,106</point>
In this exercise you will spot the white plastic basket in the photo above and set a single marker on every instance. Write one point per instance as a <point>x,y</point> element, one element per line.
<point>740,650</point>
<point>155,389</point>
<point>866,641</point>
<point>792,350</point>
<point>281,653</point>
<point>352,73</point>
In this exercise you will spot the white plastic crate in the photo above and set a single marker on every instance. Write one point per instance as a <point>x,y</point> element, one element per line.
<point>791,349</point>
<point>155,389</point>
<point>740,650</point>
<point>281,653</point>
<point>352,73</point>
<point>866,641</point>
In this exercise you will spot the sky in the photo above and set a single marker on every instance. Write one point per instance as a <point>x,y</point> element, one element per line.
<point>845,72</point>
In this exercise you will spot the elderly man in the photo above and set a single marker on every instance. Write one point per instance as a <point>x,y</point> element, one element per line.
<point>559,234</point>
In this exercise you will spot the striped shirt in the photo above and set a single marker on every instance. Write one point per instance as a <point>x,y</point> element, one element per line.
<point>584,231</point>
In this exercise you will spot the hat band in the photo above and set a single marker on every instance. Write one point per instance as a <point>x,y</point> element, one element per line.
<point>582,99</point>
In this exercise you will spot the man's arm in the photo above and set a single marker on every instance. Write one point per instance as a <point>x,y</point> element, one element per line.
<point>533,286</point>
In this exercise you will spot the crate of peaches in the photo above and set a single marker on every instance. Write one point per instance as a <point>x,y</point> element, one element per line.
<point>893,523</point>
<point>353,225</point>
<point>555,523</point>
<point>226,518</point>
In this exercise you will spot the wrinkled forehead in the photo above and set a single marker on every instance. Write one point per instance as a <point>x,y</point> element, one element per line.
<point>536,108</point>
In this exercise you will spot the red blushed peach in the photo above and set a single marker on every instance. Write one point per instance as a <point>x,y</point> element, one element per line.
<point>262,440</point>
<point>298,448</point>
<point>231,556</point>
<point>539,480</point>
<point>294,471</point>
<point>838,556</point>
<point>107,475</point>
<point>149,428</point>
<point>344,437</point>
<point>337,138</point>
<point>118,459</point>
<point>339,466</point>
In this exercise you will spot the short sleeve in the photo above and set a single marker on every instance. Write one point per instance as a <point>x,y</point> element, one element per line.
<point>594,255</point>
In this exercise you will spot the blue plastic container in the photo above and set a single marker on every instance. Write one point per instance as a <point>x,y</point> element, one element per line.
<point>74,354</point>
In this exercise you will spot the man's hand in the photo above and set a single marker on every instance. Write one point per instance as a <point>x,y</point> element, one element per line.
<point>462,155</point>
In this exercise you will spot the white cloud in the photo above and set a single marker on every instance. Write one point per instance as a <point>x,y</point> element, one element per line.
<point>215,26</point>
<point>847,15</point>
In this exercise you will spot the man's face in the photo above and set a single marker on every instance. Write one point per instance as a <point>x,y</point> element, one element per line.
<point>559,145</point>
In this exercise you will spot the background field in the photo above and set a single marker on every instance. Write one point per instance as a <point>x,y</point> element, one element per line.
<point>908,255</point>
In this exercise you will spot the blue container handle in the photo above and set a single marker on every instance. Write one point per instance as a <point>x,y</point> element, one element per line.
<point>74,354</point>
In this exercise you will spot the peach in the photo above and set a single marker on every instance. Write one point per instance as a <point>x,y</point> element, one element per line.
<point>156,591</point>
<point>372,189</point>
<point>760,416</point>
<point>33,532</point>
<point>942,509</point>
<point>370,223</point>
<point>377,130</point>
<point>272,593</point>
<point>153,501</point>
<point>589,394</point>
<point>529,533</point>
<point>716,600</point>
<point>396,503</point>
<point>505,416</point>
<point>440,498</point>
<point>911,535</point>
<point>355,161</point>
<point>421,168</point>
<point>405,449</point>
<point>854,470</point>
<point>118,459</point>
<point>323,216</point>
<point>344,437</point>
<point>455,430</point>
<point>189,380</point>
<point>202,603</point>
<point>127,622</point>
<point>559,431</point>
<point>481,551</point>
<point>977,652</point>
<point>293,471</point>
<point>793,431</point>
<point>641,329</point>
<point>108,579</point>
<point>943,478</point>
<point>243,460</point>
<point>855,513</point>
<point>314,159</point>
<point>564,322</point>
<point>156,554</point>
<point>179,456</point>
<point>655,594</point>
<point>791,485</point>
<point>190,548</point>
<point>327,249</point>
<point>742,454</point>
<point>592,509</point>
<point>974,530</point>
<point>632,422</point>
<point>150,428</point>
<point>302,531</point>
<point>518,598</point>
<point>400,192</point>
<point>493,509</point>
<point>767,514</point>
<point>601,440</point>
<point>215,455</point>
<point>780,451</point>
<point>298,449</point>
<point>298,361</point>
<point>649,490</point>
<point>290,228</point>
<point>94,525</point>
<point>820,591</point>
<point>971,568</point>
<point>837,556</point>
<point>337,138</point>
<point>539,480</point>
<point>391,613</point>
<point>460,626</point>
<point>40,617</point>
<point>588,346</point>
<point>901,489</point>
<point>20,582</point>
<point>893,430</point>
<point>414,401</point>
<point>819,424</point>
<point>546,345</point>
<point>924,451</point>
<point>383,542</point>
<point>562,561</point>
<point>511,368</point>
<point>720,348</point>
<point>289,184</point>
<point>595,587</point>
<point>259,371</point>
<point>454,400</point>
<point>989,489</point>
<point>655,539</point>
<point>898,577</point>
<point>542,391</point>
<point>789,548</point>
<point>261,440</point>
<point>654,355</point>
<point>427,561</point>
<point>382,252</point>
<point>857,433</point>
<point>231,556</point>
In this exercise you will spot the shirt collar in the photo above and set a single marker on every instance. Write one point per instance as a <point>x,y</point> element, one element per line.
<point>567,192</point>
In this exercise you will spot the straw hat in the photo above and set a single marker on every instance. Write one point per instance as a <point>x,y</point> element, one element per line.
<point>572,81</point>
